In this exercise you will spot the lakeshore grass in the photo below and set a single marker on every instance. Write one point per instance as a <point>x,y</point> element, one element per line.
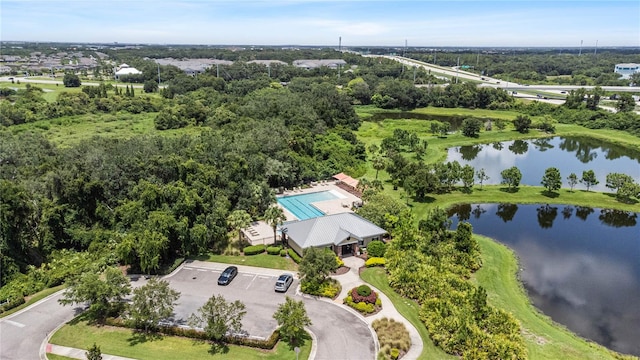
<point>123,342</point>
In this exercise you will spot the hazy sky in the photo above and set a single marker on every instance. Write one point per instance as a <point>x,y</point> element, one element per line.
<point>321,22</point>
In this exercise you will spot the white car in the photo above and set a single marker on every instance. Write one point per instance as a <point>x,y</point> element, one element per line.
<point>283,282</point>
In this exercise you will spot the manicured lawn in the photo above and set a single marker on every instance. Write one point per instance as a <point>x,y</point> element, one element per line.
<point>261,260</point>
<point>122,342</point>
<point>544,338</point>
<point>57,357</point>
<point>33,299</point>
<point>407,308</point>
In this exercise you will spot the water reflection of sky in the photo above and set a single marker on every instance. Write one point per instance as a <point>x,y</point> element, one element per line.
<point>584,274</point>
<point>533,157</point>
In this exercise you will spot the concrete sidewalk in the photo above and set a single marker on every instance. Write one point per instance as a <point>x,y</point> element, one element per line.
<point>352,279</point>
<point>78,353</point>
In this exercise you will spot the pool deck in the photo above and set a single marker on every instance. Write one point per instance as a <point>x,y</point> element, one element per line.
<point>259,232</point>
<point>329,207</point>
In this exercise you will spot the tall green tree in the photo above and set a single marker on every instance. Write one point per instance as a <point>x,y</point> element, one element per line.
<point>482,176</point>
<point>471,127</point>
<point>238,220</point>
<point>378,163</point>
<point>511,177</point>
<point>292,318</point>
<point>274,216</point>
<point>616,181</point>
<point>151,303</point>
<point>71,80</point>
<point>467,176</point>
<point>552,179</point>
<point>522,123</point>
<point>572,180</point>
<point>589,179</point>
<point>626,103</point>
<point>317,264</point>
<point>218,317</point>
<point>104,292</point>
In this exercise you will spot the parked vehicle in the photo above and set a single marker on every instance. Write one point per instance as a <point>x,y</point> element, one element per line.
<point>227,275</point>
<point>283,282</point>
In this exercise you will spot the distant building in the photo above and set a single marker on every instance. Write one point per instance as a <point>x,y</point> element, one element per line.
<point>267,62</point>
<point>312,64</point>
<point>626,70</point>
<point>126,70</point>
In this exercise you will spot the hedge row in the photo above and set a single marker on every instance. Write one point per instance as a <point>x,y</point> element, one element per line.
<point>267,344</point>
<point>374,261</point>
<point>11,303</point>
<point>274,250</point>
<point>254,250</point>
<point>294,256</point>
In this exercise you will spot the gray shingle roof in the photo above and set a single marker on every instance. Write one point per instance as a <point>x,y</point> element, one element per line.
<point>331,230</point>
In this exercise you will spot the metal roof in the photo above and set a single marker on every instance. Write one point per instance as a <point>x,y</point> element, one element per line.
<point>331,230</point>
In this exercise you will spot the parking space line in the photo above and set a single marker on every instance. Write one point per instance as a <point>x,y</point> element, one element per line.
<point>252,280</point>
<point>201,269</point>
<point>188,268</point>
<point>264,277</point>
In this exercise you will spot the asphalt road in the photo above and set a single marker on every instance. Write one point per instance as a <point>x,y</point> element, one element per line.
<point>22,333</point>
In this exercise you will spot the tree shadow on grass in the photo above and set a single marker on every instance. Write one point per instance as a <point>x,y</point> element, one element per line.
<point>141,337</point>
<point>550,194</point>
<point>218,348</point>
<point>510,190</point>
<point>299,342</point>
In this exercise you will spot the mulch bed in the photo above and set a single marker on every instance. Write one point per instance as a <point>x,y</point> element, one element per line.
<point>341,270</point>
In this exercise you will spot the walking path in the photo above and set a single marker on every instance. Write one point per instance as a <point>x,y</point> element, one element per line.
<point>352,279</point>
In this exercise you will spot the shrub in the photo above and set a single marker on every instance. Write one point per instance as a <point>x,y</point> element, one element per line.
<point>294,255</point>
<point>376,248</point>
<point>361,306</point>
<point>339,262</point>
<point>374,261</point>
<point>11,303</point>
<point>330,288</point>
<point>274,250</point>
<point>364,290</point>
<point>369,299</point>
<point>393,335</point>
<point>283,252</point>
<point>254,250</point>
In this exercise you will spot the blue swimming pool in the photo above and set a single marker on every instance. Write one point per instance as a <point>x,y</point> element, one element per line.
<point>300,205</point>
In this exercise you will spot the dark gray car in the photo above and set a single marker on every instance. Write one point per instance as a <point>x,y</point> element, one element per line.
<point>227,275</point>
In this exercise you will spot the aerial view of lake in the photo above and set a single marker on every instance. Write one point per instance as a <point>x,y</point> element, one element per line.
<point>533,157</point>
<point>579,265</point>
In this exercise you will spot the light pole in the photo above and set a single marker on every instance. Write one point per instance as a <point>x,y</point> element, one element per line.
<point>158,74</point>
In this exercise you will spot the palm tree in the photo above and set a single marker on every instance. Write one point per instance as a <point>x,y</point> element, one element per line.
<point>274,216</point>
<point>238,220</point>
<point>378,163</point>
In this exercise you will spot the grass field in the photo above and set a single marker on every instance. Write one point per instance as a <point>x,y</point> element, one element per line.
<point>123,342</point>
<point>70,130</point>
<point>261,260</point>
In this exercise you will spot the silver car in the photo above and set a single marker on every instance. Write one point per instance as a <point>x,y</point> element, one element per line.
<point>283,282</point>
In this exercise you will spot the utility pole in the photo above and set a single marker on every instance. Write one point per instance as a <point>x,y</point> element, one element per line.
<point>478,59</point>
<point>217,70</point>
<point>457,69</point>
<point>580,52</point>
<point>158,74</point>
<point>415,68</point>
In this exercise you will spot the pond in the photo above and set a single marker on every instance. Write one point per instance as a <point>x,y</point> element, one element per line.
<point>579,265</point>
<point>533,157</point>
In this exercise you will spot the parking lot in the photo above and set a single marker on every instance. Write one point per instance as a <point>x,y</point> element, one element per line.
<point>255,290</point>
<point>340,334</point>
